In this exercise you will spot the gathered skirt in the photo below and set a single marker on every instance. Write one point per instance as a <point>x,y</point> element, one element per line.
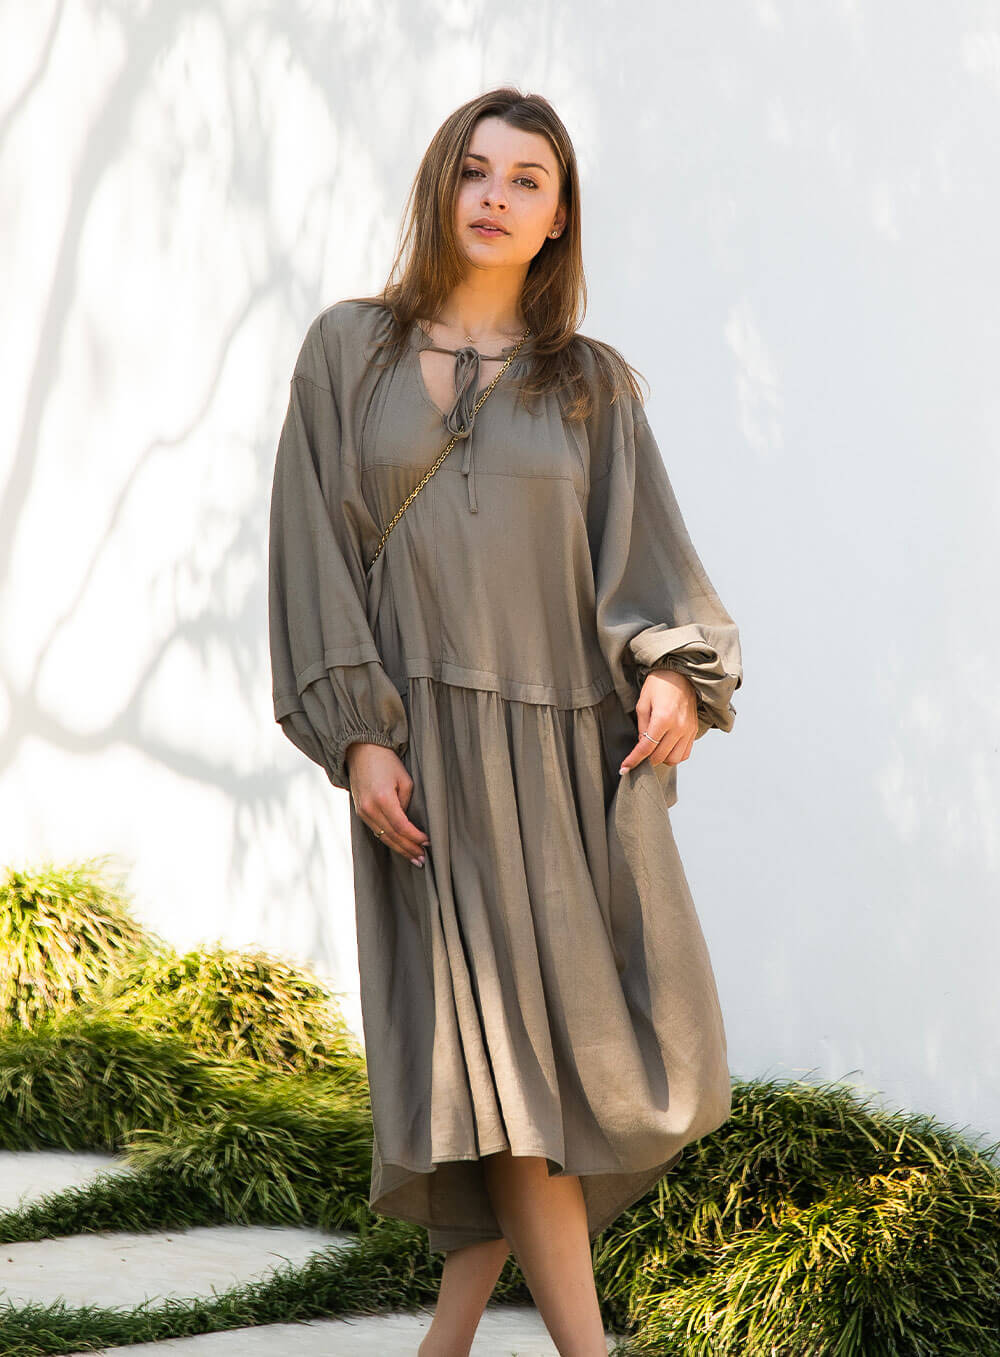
<point>542,984</point>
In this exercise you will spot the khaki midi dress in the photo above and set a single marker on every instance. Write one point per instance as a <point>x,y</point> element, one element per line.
<point>542,984</point>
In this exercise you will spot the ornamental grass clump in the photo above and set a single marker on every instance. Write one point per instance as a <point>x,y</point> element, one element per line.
<point>237,1006</point>
<point>892,1264</point>
<point>813,1224</point>
<point>62,932</point>
<point>204,1142</point>
<point>68,939</point>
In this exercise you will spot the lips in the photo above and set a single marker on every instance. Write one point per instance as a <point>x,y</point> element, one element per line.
<point>494,228</point>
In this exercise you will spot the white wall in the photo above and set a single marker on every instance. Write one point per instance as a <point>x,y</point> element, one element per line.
<point>790,228</point>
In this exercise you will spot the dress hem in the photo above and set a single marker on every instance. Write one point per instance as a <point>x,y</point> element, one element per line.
<point>538,1151</point>
<point>474,1234</point>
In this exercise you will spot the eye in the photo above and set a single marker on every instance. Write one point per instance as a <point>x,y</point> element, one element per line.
<point>523,179</point>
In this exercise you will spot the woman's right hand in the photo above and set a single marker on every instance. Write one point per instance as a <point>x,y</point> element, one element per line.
<point>381,788</point>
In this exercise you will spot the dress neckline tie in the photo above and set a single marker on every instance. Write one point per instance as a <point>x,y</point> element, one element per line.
<point>460,419</point>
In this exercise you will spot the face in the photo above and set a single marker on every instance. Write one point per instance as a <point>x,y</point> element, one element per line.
<point>509,176</point>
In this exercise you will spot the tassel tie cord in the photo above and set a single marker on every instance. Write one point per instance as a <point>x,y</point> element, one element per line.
<point>461,418</point>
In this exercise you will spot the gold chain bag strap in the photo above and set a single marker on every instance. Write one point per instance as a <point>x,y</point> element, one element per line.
<point>444,452</point>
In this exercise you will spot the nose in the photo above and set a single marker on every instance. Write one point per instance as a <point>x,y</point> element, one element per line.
<point>494,194</point>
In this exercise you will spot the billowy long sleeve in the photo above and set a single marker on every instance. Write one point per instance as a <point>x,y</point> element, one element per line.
<point>656,606</point>
<point>329,685</point>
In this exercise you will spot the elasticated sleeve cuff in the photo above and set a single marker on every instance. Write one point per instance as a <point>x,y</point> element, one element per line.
<point>694,651</point>
<point>341,705</point>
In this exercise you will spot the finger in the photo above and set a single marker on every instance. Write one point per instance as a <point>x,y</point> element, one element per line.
<point>386,835</point>
<point>403,827</point>
<point>639,751</point>
<point>657,728</point>
<point>669,750</point>
<point>399,832</point>
<point>384,813</point>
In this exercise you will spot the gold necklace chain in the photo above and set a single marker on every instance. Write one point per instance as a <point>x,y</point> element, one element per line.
<point>444,453</point>
<point>473,342</point>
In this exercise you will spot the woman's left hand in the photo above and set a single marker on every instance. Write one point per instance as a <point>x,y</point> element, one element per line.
<point>668,711</point>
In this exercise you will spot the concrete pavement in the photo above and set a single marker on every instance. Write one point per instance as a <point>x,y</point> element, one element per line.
<point>125,1269</point>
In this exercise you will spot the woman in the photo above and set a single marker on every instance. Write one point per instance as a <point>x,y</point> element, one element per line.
<point>542,1025</point>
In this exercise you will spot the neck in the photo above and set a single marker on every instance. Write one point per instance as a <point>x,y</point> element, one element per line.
<point>484,304</point>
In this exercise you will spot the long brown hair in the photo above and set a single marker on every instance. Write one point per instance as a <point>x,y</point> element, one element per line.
<point>554,298</point>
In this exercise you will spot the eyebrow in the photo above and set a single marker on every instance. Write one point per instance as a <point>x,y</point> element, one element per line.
<point>520,164</point>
